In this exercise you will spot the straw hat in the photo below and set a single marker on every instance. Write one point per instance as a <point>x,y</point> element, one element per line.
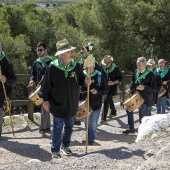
<point>107,60</point>
<point>63,46</point>
<point>151,62</point>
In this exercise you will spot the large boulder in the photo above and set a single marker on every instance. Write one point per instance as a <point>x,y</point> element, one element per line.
<point>152,123</point>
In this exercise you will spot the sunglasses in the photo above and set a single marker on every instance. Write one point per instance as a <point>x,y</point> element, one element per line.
<point>39,50</point>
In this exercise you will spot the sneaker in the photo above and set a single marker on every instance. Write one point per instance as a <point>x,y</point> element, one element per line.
<point>66,151</point>
<point>127,131</point>
<point>112,115</point>
<point>56,155</point>
<point>103,122</point>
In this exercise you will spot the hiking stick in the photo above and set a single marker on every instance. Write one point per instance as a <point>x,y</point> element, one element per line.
<point>8,108</point>
<point>87,64</point>
<point>87,118</point>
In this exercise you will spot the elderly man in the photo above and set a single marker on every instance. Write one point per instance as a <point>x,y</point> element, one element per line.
<point>164,72</point>
<point>8,79</point>
<point>144,82</point>
<point>60,92</point>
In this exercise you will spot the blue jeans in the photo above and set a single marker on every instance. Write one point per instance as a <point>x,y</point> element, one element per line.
<point>130,120</point>
<point>61,132</point>
<point>143,111</point>
<point>93,123</point>
<point>161,105</point>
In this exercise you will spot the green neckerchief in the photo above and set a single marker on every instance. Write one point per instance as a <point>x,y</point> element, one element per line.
<point>44,62</point>
<point>84,55</point>
<point>139,79</point>
<point>91,74</point>
<point>154,72</point>
<point>58,63</point>
<point>164,71</point>
<point>111,68</point>
<point>2,55</point>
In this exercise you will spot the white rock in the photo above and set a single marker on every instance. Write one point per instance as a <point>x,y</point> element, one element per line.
<point>151,123</point>
<point>33,161</point>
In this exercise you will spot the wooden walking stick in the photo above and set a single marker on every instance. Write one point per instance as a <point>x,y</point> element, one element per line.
<point>8,107</point>
<point>88,62</point>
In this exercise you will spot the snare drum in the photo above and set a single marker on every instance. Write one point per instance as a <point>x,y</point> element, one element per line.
<point>35,97</point>
<point>133,102</point>
<point>82,110</point>
<point>161,92</point>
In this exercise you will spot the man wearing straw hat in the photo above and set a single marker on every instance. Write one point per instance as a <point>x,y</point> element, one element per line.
<point>151,66</point>
<point>38,71</point>
<point>60,92</point>
<point>113,76</point>
<point>8,78</point>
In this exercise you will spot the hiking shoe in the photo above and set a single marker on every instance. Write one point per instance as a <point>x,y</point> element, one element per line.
<point>127,131</point>
<point>112,115</point>
<point>66,151</point>
<point>56,155</point>
<point>103,122</point>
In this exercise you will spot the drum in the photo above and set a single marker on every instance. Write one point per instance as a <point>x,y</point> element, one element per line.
<point>161,92</point>
<point>133,102</point>
<point>82,110</point>
<point>35,97</point>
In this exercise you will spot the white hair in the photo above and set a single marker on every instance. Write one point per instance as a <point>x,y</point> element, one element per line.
<point>142,60</point>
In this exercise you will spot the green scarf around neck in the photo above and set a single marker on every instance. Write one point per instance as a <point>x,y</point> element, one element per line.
<point>58,63</point>
<point>2,55</point>
<point>164,71</point>
<point>44,62</point>
<point>91,74</point>
<point>111,68</point>
<point>139,78</point>
<point>83,56</point>
<point>154,72</point>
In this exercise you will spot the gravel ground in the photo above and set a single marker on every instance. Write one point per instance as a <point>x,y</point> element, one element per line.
<point>112,150</point>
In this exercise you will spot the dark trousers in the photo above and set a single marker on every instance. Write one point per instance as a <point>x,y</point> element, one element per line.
<point>1,119</point>
<point>108,101</point>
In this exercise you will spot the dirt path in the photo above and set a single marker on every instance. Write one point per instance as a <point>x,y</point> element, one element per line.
<point>112,149</point>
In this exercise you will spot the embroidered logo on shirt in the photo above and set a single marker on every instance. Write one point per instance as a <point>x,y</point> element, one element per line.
<point>72,74</point>
<point>92,81</point>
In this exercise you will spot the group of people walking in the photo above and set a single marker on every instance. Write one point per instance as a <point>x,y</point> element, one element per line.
<point>149,82</point>
<point>64,84</point>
